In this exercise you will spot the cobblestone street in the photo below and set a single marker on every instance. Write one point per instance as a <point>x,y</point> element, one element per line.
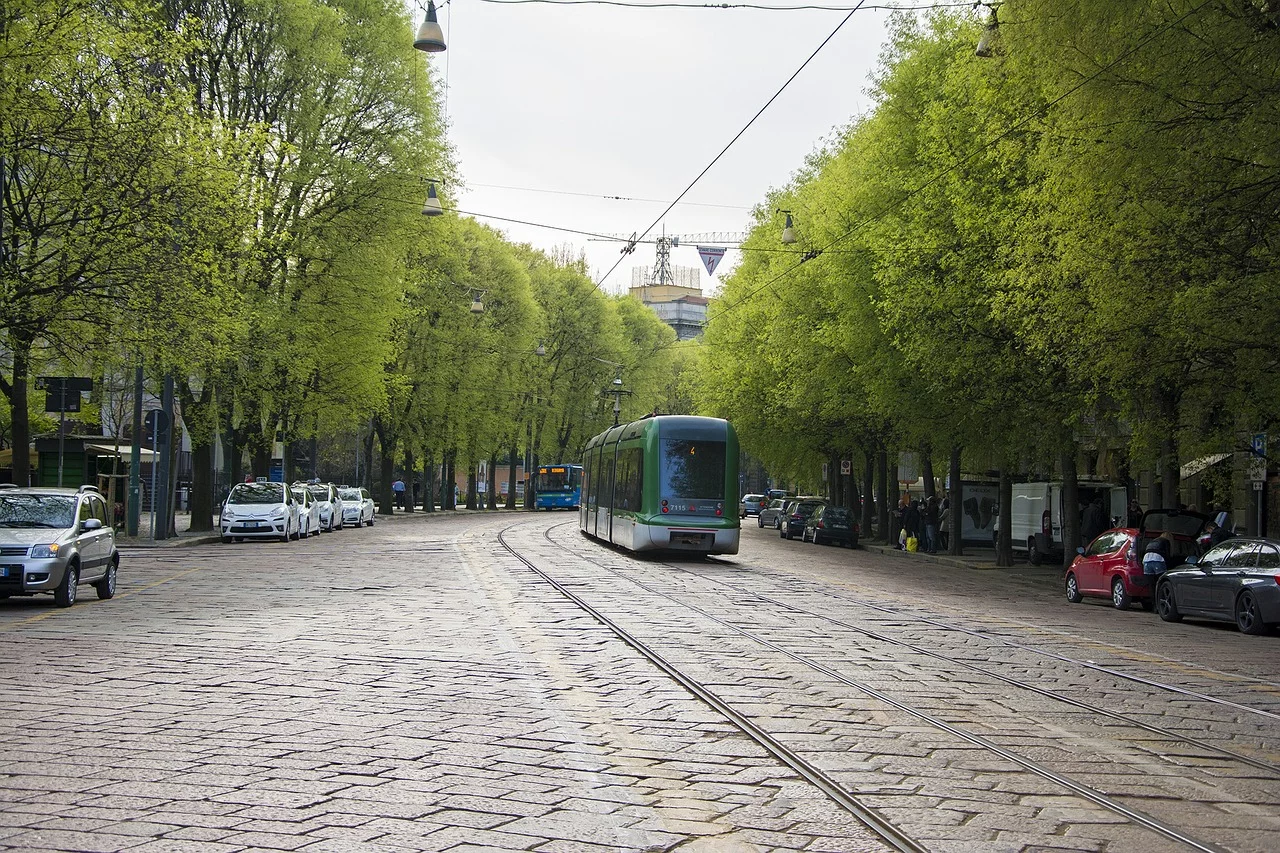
<point>413,686</point>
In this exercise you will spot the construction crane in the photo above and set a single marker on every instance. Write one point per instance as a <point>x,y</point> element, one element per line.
<point>663,272</point>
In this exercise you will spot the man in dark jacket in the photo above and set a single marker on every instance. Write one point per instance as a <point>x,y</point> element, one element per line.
<point>1093,522</point>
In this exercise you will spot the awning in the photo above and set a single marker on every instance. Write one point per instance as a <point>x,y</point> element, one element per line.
<point>1195,466</point>
<point>124,451</point>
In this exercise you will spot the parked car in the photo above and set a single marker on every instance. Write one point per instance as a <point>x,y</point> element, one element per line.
<point>259,510</point>
<point>770,515</point>
<point>792,521</point>
<point>1236,581</point>
<point>1111,565</point>
<point>1036,515</point>
<point>751,505</point>
<point>308,512</point>
<point>830,523</point>
<point>326,494</point>
<point>778,493</point>
<point>357,506</point>
<point>53,540</point>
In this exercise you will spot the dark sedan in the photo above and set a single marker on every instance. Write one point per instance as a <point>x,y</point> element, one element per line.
<point>831,524</point>
<point>791,523</point>
<point>1237,581</point>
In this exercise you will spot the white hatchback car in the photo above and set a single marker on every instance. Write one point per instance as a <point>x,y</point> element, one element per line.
<point>259,510</point>
<point>357,506</point>
<point>308,512</point>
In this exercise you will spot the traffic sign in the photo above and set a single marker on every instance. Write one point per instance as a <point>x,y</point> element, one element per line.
<point>846,466</point>
<point>62,393</point>
<point>1258,461</point>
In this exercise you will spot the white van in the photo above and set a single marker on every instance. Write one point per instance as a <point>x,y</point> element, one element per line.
<point>1036,514</point>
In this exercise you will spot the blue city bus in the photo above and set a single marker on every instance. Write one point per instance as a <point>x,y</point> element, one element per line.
<point>558,487</point>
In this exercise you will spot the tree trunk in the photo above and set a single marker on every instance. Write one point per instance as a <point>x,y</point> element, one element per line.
<point>493,481</point>
<point>428,481</point>
<point>449,486</point>
<point>926,472</point>
<point>21,425</point>
<point>955,521</point>
<point>1004,549</point>
<point>1168,474</point>
<point>410,497</point>
<point>868,490</point>
<point>882,496</point>
<point>471,486</point>
<point>201,500</point>
<point>387,475</point>
<point>511,479</point>
<point>1070,506</point>
<point>368,461</point>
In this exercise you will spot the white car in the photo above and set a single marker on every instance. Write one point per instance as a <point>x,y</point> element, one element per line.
<point>357,506</point>
<point>326,494</point>
<point>308,511</point>
<point>259,510</point>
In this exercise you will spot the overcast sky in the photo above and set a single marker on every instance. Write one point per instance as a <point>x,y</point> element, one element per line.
<point>552,108</point>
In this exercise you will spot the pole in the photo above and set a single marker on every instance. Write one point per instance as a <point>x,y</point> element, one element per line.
<point>165,510</point>
<point>135,457</point>
<point>155,444</point>
<point>62,425</point>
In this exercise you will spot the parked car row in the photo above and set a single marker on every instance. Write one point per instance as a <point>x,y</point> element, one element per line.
<point>812,519</point>
<point>1236,580</point>
<point>267,510</point>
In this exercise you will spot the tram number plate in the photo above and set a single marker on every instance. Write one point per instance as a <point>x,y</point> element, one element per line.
<point>696,541</point>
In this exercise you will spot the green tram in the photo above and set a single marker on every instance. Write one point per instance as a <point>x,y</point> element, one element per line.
<point>666,482</point>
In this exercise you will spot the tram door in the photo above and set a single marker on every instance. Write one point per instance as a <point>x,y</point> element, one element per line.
<point>608,470</point>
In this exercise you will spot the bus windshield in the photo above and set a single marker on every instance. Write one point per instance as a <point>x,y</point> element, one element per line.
<point>692,468</point>
<point>559,478</point>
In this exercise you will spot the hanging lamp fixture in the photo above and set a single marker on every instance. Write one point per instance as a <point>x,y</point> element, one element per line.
<point>432,206</point>
<point>430,37</point>
<point>788,229</point>
<point>990,34</point>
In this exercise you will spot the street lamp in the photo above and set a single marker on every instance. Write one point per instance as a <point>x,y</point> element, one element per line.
<point>990,33</point>
<point>432,206</point>
<point>430,37</point>
<point>788,230</point>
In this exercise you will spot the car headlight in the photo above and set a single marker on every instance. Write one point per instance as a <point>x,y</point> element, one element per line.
<point>228,513</point>
<point>279,512</point>
<point>45,552</point>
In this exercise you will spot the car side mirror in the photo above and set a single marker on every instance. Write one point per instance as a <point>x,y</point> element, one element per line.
<point>91,524</point>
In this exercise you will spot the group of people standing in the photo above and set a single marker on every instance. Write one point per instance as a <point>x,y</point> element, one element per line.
<point>925,521</point>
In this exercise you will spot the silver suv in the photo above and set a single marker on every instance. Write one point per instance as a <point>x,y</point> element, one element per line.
<point>53,540</point>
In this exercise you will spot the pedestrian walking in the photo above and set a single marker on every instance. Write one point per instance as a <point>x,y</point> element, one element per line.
<point>944,524</point>
<point>397,490</point>
<point>930,515</point>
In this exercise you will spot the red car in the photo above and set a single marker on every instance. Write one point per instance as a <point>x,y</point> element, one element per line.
<point>1111,565</point>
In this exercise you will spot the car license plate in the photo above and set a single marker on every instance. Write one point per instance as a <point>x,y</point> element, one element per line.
<point>251,524</point>
<point>10,571</point>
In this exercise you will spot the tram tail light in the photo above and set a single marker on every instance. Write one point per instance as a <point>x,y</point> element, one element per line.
<point>665,508</point>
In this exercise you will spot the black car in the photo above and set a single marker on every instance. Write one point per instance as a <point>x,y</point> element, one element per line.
<point>791,523</point>
<point>830,523</point>
<point>1237,581</point>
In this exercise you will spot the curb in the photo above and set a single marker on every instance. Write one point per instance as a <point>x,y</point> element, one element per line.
<point>943,559</point>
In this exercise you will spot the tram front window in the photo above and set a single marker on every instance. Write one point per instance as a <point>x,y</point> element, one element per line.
<point>692,468</point>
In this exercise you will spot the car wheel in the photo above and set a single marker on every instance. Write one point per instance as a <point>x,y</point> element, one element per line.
<point>759,521</point>
<point>782,533</point>
<point>1033,555</point>
<point>65,594</point>
<point>288,534</point>
<point>371,521</point>
<point>1248,616</point>
<point>1073,589</point>
<point>1119,595</point>
<point>226,540</point>
<point>297,534</point>
<point>1167,604</point>
<point>107,586</point>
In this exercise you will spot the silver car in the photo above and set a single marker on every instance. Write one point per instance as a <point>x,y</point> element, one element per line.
<point>326,494</point>
<point>770,516</point>
<point>53,540</point>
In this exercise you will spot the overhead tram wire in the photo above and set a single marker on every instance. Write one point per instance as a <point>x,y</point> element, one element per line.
<point>736,137</point>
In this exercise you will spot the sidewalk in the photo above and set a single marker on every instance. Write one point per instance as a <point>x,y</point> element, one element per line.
<point>975,557</point>
<point>185,535</point>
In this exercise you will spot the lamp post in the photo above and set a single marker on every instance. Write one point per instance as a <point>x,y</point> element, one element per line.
<point>430,37</point>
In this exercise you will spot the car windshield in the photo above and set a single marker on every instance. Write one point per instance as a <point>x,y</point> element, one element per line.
<point>300,495</point>
<point>257,493</point>
<point>320,493</point>
<point>804,508</point>
<point>350,495</point>
<point>750,499</point>
<point>835,514</point>
<point>27,510</point>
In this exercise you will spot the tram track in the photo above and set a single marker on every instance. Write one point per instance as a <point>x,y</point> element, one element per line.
<point>1085,791</point>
